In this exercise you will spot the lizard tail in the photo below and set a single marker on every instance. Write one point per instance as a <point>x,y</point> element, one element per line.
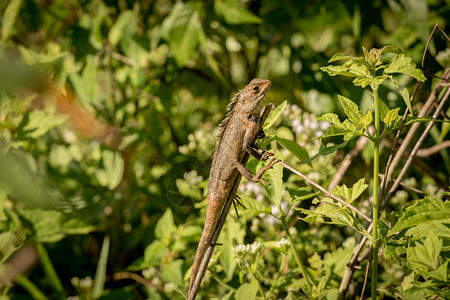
<point>199,254</point>
<point>213,209</point>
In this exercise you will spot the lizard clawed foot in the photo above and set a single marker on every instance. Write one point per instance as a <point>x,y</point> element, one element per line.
<point>261,180</point>
<point>236,199</point>
<point>265,155</point>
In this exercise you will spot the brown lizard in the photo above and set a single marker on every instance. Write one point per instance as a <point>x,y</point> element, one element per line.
<point>236,135</point>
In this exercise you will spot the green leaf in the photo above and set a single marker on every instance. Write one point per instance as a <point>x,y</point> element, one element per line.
<point>275,190</point>
<point>347,128</point>
<point>392,116</point>
<point>86,86</point>
<point>405,95</point>
<point>294,148</point>
<point>392,49</point>
<point>111,173</point>
<point>383,109</point>
<point>9,18</point>
<point>234,13</point>
<point>337,259</point>
<point>40,122</point>
<point>253,207</point>
<point>152,256</point>
<point>328,150</point>
<point>340,56</point>
<point>100,274</point>
<point>247,291</point>
<point>51,226</point>
<point>165,226</point>
<point>274,115</point>
<point>330,213</point>
<point>330,117</point>
<point>182,30</point>
<point>351,110</point>
<point>426,255</point>
<point>403,64</point>
<point>125,27</point>
<point>441,273</point>
<point>173,272</point>
<point>367,119</point>
<point>423,211</point>
<point>351,194</point>
<point>10,242</point>
<point>356,67</point>
<point>365,81</point>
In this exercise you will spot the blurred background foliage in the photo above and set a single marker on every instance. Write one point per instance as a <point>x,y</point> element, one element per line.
<point>109,112</point>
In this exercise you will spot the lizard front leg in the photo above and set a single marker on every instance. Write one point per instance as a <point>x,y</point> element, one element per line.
<point>255,178</point>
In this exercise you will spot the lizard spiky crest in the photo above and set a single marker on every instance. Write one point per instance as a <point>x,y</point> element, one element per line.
<point>224,123</point>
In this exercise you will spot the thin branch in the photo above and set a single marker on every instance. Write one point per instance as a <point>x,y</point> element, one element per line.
<point>430,151</point>
<point>426,48</point>
<point>415,149</point>
<point>404,185</point>
<point>139,279</point>
<point>323,190</point>
<point>123,59</point>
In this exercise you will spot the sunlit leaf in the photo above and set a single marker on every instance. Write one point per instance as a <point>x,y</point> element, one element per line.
<point>111,173</point>
<point>253,207</point>
<point>165,226</point>
<point>405,95</point>
<point>125,26</point>
<point>403,64</point>
<point>233,233</point>
<point>339,56</point>
<point>294,148</point>
<point>424,210</point>
<point>274,115</point>
<point>365,81</point>
<point>9,18</point>
<point>247,291</point>
<point>367,119</point>
<point>100,274</point>
<point>351,110</point>
<point>173,272</point>
<point>275,190</point>
<point>425,255</point>
<point>234,13</point>
<point>330,213</point>
<point>391,116</point>
<point>182,29</point>
<point>40,122</point>
<point>351,194</point>
<point>51,226</point>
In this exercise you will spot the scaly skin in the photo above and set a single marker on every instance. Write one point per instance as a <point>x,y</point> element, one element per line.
<point>236,134</point>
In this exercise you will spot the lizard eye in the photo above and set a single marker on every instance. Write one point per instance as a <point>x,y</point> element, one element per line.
<point>252,118</point>
<point>256,88</point>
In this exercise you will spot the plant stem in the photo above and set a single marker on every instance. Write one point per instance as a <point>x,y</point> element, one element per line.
<point>376,167</point>
<point>49,270</point>
<point>30,287</point>
<point>303,269</point>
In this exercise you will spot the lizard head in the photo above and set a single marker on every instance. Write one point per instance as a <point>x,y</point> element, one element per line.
<point>251,98</point>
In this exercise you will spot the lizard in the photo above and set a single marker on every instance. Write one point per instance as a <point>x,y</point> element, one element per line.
<point>235,138</point>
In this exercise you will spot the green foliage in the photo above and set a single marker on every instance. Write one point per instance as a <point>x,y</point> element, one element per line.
<point>108,117</point>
